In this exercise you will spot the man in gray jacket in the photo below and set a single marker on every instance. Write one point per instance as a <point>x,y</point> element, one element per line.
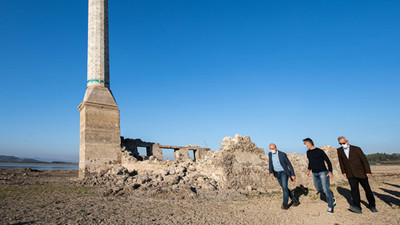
<point>281,168</point>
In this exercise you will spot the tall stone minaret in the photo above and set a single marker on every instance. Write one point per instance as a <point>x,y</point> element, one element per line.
<point>100,143</point>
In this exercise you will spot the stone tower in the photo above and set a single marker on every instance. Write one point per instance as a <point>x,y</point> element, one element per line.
<point>100,143</point>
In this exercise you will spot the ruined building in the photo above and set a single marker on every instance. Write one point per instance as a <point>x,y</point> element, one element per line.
<point>238,165</point>
<point>100,141</point>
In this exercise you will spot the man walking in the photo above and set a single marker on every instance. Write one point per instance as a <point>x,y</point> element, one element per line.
<point>321,175</point>
<point>355,168</point>
<point>281,168</point>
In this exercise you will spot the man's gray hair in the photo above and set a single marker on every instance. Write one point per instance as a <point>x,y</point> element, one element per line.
<point>341,137</point>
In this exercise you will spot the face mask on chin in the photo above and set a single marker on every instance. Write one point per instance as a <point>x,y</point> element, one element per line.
<point>306,146</point>
<point>345,146</point>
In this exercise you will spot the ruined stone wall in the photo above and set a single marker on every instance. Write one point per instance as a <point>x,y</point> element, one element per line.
<point>241,165</point>
<point>132,145</point>
<point>238,165</point>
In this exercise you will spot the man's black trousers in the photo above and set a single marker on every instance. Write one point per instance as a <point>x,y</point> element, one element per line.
<point>355,191</point>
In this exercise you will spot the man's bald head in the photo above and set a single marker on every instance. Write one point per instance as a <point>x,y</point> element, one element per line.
<point>272,146</point>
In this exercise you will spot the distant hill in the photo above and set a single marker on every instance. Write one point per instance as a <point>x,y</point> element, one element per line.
<point>384,158</point>
<point>13,159</point>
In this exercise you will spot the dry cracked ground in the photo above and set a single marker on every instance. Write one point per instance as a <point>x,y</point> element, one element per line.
<point>56,197</point>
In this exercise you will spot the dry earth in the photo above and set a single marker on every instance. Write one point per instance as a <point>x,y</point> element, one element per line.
<point>56,197</point>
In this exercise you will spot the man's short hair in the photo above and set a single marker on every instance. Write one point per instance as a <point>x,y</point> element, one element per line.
<point>309,140</point>
<point>341,137</point>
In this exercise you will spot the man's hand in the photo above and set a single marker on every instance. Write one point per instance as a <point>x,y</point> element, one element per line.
<point>308,173</point>
<point>345,176</point>
<point>293,178</point>
<point>271,176</point>
<point>369,175</point>
<point>330,175</point>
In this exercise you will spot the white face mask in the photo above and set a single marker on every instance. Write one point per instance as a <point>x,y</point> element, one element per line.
<point>274,151</point>
<point>306,146</point>
<point>345,145</point>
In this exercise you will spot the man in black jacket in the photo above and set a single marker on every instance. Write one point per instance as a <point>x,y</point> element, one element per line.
<point>321,175</point>
<point>281,168</point>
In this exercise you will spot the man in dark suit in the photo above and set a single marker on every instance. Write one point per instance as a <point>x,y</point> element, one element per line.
<point>355,168</point>
<point>281,168</point>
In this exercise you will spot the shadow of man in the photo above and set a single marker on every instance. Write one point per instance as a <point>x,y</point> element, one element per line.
<point>299,191</point>
<point>394,193</point>
<point>391,201</point>
<point>393,185</point>
<point>347,194</point>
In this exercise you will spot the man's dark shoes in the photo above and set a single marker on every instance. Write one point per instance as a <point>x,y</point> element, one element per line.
<point>355,209</point>
<point>373,209</point>
<point>295,202</point>
<point>285,207</point>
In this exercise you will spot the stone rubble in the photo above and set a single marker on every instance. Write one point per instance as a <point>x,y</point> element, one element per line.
<point>239,166</point>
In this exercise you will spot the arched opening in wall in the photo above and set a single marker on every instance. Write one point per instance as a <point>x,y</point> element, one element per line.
<point>168,153</point>
<point>192,154</point>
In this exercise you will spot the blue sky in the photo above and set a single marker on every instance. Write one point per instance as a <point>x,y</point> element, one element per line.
<point>193,72</point>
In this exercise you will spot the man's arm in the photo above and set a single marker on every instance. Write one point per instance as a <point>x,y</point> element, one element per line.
<point>309,165</point>
<point>326,158</point>
<point>271,169</point>
<point>365,163</point>
<point>270,164</point>
<point>309,162</point>
<point>341,163</point>
<point>290,166</point>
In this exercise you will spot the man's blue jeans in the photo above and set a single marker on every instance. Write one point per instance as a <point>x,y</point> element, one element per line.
<point>322,183</point>
<point>283,178</point>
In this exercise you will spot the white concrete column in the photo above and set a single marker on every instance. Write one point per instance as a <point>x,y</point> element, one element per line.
<point>98,70</point>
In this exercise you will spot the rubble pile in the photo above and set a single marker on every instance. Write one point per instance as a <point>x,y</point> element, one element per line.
<point>180,178</point>
<point>238,166</point>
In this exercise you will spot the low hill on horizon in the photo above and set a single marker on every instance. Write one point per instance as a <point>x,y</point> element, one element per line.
<point>383,158</point>
<point>13,159</point>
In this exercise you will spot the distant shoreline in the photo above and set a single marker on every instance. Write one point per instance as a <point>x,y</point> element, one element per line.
<point>40,163</point>
<point>385,163</point>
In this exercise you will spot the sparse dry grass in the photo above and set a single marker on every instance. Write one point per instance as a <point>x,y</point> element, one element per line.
<point>32,193</point>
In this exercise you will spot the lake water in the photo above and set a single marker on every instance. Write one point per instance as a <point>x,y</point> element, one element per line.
<point>39,166</point>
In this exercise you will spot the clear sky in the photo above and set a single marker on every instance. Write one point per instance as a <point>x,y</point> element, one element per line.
<point>192,72</point>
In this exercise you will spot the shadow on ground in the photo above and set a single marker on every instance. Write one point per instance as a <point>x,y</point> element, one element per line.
<point>393,198</point>
<point>393,185</point>
<point>299,191</point>
<point>347,194</point>
<point>23,223</point>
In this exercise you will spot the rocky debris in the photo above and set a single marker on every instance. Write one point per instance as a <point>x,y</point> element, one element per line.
<point>128,156</point>
<point>238,167</point>
<point>173,179</point>
<point>332,155</point>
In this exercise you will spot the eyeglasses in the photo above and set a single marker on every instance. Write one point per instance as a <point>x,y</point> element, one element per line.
<point>342,143</point>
